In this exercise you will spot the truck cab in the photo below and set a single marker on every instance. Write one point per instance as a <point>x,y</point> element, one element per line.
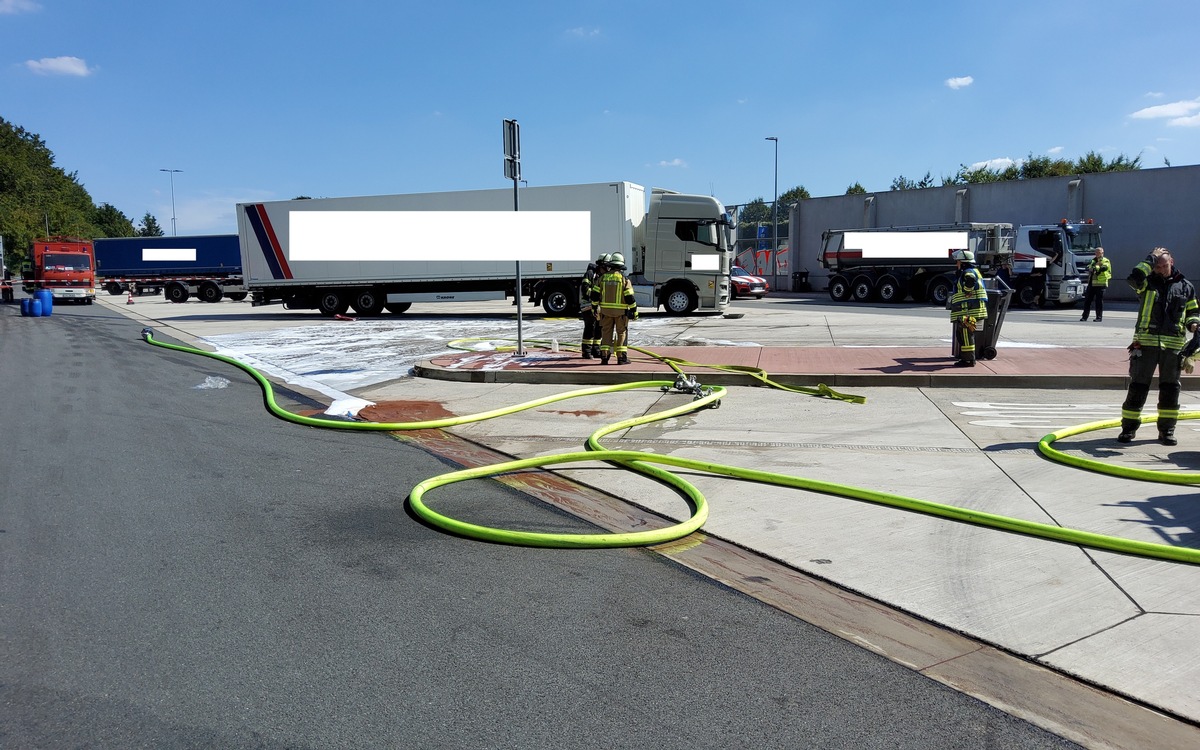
<point>1052,260</point>
<point>684,260</point>
<point>66,266</point>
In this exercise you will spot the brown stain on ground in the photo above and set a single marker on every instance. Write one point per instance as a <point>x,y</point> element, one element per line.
<point>404,411</point>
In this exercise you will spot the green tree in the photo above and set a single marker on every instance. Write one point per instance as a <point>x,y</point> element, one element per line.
<point>856,189</point>
<point>900,183</point>
<point>795,195</point>
<point>36,196</point>
<point>755,211</point>
<point>110,222</point>
<point>149,227</point>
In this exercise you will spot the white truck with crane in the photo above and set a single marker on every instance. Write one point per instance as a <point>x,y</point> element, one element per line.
<point>1043,262</point>
<point>678,251</point>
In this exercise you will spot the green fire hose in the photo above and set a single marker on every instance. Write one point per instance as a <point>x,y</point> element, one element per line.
<point>648,464</point>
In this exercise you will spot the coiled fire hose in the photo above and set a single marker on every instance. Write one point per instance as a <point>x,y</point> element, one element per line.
<point>648,464</point>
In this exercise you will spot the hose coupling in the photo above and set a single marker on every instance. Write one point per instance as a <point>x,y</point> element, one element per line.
<point>147,333</point>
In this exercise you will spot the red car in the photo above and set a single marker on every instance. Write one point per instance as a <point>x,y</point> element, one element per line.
<point>744,285</point>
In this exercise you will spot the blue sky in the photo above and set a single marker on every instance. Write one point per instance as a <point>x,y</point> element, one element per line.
<point>270,100</point>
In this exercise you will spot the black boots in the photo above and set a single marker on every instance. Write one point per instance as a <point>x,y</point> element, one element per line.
<point>622,358</point>
<point>587,351</point>
<point>1166,436</point>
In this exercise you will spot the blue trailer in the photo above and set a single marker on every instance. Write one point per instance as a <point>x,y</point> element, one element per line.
<point>209,267</point>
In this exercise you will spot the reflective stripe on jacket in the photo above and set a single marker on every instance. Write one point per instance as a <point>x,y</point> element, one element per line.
<point>969,297</point>
<point>1167,306</point>
<point>1099,272</point>
<point>613,293</point>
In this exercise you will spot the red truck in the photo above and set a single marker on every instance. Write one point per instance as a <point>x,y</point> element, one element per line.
<point>64,265</point>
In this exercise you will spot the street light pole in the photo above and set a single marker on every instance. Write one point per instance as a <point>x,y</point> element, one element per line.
<point>172,173</point>
<point>775,214</point>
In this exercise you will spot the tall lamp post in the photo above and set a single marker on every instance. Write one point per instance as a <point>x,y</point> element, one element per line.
<point>775,213</point>
<point>172,173</point>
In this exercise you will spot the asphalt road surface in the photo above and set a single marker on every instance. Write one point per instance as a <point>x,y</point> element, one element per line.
<point>180,569</point>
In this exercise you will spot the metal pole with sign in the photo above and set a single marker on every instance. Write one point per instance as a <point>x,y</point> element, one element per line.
<point>512,170</point>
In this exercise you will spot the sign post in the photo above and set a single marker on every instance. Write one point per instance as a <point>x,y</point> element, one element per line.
<point>512,170</point>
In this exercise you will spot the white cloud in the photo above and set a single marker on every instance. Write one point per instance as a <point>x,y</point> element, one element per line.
<point>673,163</point>
<point>1155,95</point>
<point>1175,109</point>
<point>579,31</point>
<point>59,66</point>
<point>10,7</point>
<point>1186,122</point>
<point>999,164</point>
<point>1054,150</point>
<point>960,82</point>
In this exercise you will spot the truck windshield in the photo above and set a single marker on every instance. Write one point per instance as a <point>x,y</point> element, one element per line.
<point>1084,242</point>
<point>68,261</point>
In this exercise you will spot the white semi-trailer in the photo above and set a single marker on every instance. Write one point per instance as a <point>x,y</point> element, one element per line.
<point>678,249</point>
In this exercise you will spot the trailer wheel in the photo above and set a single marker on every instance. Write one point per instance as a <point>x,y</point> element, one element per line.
<point>863,288</point>
<point>938,291</point>
<point>332,302</point>
<point>557,300</point>
<point>989,352</point>
<point>679,300</point>
<point>209,291</point>
<point>397,308</point>
<point>113,288</point>
<point>176,292</point>
<point>839,288</point>
<point>367,302</point>
<point>889,289</point>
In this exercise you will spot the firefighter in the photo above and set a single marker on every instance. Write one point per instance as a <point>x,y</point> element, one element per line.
<point>968,306</point>
<point>614,305</point>
<point>590,346</point>
<point>1167,310</point>
<point>1099,271</point>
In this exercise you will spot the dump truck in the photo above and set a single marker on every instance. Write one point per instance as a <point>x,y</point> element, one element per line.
<point>208,267</point>
<point>379,253</point>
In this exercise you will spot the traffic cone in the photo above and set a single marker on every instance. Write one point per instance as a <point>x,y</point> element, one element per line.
<point>129,301</point>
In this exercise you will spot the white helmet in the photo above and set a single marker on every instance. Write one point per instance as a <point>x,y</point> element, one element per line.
<point>616,260</point>
<point>965,256</point>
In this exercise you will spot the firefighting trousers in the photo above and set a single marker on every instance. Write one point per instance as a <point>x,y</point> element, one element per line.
<point>1142,364</point>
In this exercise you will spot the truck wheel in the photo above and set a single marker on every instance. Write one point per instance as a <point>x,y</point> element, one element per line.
<point>938,291</point>
<point>237,296</point>
<point>839,289</point>
<point>679,300</point>
<point>1027,295</point>
<point>113,288</point>
<point>332,303</point>
<point>209,291</point>
<point>557,300</point>
<point>889,289</point>
<point>397,308</point>
<point>367,302</point>
<point>177,293</point>
<point>863,288</point>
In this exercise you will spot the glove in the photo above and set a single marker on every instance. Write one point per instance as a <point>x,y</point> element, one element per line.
<point>631,314</point>
<point>971,324</point>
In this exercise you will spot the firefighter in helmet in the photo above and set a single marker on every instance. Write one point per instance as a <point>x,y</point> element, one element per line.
<point>968,307</point>
<point>590,345</point>
<point>614,305</point>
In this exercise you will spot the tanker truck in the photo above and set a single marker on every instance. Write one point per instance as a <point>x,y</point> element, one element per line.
<point>1044,263</point>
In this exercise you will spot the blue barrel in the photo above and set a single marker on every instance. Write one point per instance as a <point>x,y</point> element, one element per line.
<point>25,305</point>
<point>35,308</point>
<point>47,298</point>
